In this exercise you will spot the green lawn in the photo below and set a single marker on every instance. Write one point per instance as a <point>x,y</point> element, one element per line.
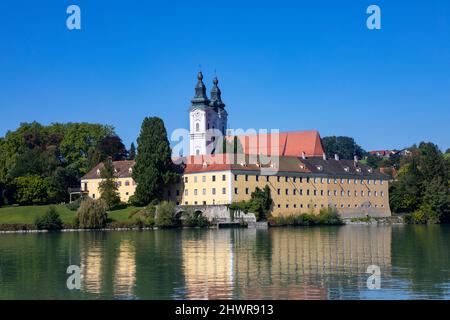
<point>28,214</point>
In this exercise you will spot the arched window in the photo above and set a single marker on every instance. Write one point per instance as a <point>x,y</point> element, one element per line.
<point>197,127</point>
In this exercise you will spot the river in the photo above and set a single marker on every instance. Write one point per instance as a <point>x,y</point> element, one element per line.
<point>278,263</point>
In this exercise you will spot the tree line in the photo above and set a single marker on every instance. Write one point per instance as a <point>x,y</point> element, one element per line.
<point>39,163</point>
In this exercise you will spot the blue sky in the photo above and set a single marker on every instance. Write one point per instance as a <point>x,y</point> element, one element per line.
<point>291,65</point>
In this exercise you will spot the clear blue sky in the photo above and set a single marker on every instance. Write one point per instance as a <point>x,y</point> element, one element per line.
<point>292,65</point>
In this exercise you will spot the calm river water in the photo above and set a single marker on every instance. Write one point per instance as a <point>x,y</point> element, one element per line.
<point>279,263</point>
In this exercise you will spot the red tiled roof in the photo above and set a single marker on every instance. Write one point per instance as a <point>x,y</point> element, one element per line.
<point>285,164</point>
<point>283,144</point>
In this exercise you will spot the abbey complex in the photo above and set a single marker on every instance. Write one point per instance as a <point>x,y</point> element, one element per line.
<point>293,164</point>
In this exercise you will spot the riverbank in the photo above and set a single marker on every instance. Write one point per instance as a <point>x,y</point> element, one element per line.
<point>22,218</point>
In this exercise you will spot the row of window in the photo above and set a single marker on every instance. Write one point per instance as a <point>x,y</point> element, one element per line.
<point>213,178</point>
<point>118,193</point>
<point>329,193</point>
<point>332,205</point>
<point>294,192</point>
<point>127,183</point>
<point>315,180</point>
<point>196,193</point>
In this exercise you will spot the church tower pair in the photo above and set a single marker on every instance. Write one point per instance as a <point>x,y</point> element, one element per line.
<point>207,118</point>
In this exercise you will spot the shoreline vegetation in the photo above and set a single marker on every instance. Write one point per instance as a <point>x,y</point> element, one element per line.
<point>66,218</point>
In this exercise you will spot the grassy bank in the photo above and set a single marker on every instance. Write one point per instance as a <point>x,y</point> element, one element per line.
<point>28,214</point>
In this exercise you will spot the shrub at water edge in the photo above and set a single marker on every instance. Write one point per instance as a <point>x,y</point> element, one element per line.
<point>91,214</point>
<point>49,221</point>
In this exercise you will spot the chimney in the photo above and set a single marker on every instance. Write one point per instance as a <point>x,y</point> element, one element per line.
<point>336,157</point>
<point>303,155</point>
<point>324,156</point>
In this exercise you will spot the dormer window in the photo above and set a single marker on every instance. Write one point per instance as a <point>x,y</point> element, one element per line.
<point>98,172</point>
<point>115,170</point>
<point>320,168</point>
<point>302,166</point>
<point>204,164</point>
<point>370,170</point>
<point>358,169</point>
<point>243,164</point>
<point>130,170</point>
<point>347,169</point>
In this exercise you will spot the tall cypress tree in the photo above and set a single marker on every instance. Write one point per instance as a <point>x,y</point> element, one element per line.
<point>132,152</point>
<point>153,169</point>
<point>108,187</point>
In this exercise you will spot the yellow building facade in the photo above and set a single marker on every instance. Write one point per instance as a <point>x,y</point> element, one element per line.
<point>297,186</point>
<point>122,170</point>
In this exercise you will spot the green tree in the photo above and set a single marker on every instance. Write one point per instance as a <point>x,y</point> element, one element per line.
<point>154,168</point>
<point>166,216</point>
<point>91,214</point>
<point>422,185</point>
<point>31,189</point>
<point>57,153</point>
<point>132,152</point>
<point>108,187</point>
<point>345,147</point>
<point>261,203</point>
<point>431,162</point>
<point>49,221</point>
<point>436,200</point>
<point>406,190</point>
<point>108,147</point>
<point>80,140</point>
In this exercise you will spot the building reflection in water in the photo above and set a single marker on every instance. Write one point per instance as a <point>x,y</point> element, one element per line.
<point>125,271</point>
<point>208,264</point>
<point>92,269</point>
<point>283,263</point>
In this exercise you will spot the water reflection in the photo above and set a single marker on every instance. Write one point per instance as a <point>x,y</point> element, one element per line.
<point>208,264</point>
<point>125,272</point>
<point>279,263</point>
<point>282,263</point>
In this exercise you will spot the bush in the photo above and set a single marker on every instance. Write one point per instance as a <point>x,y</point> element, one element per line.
<point>326,216</point>
<point>166,216</point>
<point>305,219</point>
<point>73,206</point>
<point>329,216</point>
<point>194,219</point>
<point>49,221</point>
<point>91,214</point>
<point>417,217</point>
<point>144,217</point>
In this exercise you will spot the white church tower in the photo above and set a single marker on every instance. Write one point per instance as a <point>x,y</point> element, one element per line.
<point>207,118</point>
